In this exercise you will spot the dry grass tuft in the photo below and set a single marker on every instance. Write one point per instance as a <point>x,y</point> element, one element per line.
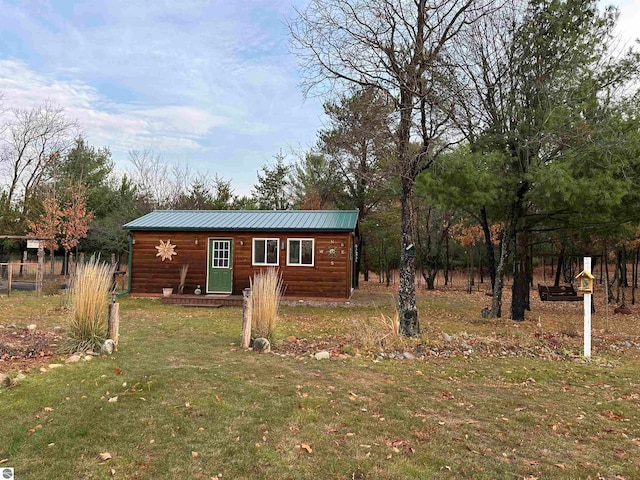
<point>183,277</point>
<point>376,333</point>
<point>87,328</point>
<point>266,292</point>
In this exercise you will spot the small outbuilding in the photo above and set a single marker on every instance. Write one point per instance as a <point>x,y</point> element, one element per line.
<point>314,250</point>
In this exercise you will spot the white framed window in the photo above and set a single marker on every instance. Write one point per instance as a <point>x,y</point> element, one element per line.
<point>300,251</point>
<point>265,251</point>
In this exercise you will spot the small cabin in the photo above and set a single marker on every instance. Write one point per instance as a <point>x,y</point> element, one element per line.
<point>314,250</point>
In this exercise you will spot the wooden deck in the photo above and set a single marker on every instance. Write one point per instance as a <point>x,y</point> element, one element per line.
<point>204,300</point>
<point>216,301</point>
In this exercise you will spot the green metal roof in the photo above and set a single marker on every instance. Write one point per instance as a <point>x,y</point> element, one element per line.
<point>236,220</point>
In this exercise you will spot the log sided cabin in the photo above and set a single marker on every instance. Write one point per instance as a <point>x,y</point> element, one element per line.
<point>314,250</point>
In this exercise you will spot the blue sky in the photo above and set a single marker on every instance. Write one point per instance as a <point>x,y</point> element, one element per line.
<point>207,83</point>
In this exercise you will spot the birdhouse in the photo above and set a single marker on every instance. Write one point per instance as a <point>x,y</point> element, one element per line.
<point>411,250</point>
<point>585,282</point>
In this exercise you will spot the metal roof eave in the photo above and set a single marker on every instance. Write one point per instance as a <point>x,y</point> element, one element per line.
<point>246,220</point>
<point>226,229</point>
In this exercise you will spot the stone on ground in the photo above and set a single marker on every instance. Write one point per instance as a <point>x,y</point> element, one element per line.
<point>261,345</point>
<point>73,358</point>
<point>108,346</point>
<point>323,355</point>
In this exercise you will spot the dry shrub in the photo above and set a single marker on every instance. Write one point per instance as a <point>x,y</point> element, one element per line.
<point>266,292</point>
<point>90,290</point>
<point>376,333</point>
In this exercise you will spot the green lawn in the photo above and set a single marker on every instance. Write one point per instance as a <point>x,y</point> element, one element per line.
<point>190,404</point>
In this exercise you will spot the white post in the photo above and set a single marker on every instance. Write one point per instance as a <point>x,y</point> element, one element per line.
<point>587,313</point>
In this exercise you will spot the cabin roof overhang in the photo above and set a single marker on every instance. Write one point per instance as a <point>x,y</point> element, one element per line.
<point>303,221</point>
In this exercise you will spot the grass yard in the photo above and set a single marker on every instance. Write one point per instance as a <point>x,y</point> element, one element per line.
<point>483,399</point>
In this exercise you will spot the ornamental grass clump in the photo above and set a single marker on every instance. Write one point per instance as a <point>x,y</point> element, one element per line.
<point>266,292</point>
<point>90,288</point>
<point>376,334</point>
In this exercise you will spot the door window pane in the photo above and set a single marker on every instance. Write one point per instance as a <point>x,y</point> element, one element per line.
<point>221,254</point>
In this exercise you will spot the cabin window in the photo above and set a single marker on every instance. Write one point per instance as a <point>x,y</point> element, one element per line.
<point>300,251</point>
<point>265,251</point>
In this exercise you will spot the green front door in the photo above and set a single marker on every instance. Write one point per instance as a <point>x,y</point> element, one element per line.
<point>220,272</point>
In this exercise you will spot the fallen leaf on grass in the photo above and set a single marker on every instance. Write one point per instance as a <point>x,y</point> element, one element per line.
<point>48,409</point>
<point>561,466</point>
<point>113,399</point>
<point>194,454</point>
<point>620,452</point>
<point>37,427</point>
<point>611,414</point>
<point>306,447</point>
<point>4,460</point>
<point>105,456</point>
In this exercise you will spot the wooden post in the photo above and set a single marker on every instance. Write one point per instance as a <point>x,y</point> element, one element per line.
<point>40,272</point>
<point>9,275</point>
<point>245,338</point>
<point>114,320</point>
<point>587,313</point>
<point>24,262</point>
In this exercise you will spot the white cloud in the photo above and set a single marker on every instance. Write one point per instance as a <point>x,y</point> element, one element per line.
<point>104,121</point>
<point>208,82</point>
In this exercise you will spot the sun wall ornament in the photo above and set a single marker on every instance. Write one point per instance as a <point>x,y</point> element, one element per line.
<point>166,251</point>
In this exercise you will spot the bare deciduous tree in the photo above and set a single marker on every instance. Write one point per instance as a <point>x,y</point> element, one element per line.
<point>398,47</point>
<point>32,143</point>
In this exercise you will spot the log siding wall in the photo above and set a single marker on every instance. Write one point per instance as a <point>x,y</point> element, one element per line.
<point>330,276</point>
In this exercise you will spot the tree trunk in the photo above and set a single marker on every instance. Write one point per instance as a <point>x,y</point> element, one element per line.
<point>520,277</point>
<point>489,250</point>
<point>408,169</point>
<point>408,312</point>
<point>360,249</point>
<point>559,267</point>
<point>470,270</point>
<point>623,267</point>
<point>364,253</point>
<point>446,261</point>
<point>634,277</point>
<point>496,303</point>
<point>507,242</point>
